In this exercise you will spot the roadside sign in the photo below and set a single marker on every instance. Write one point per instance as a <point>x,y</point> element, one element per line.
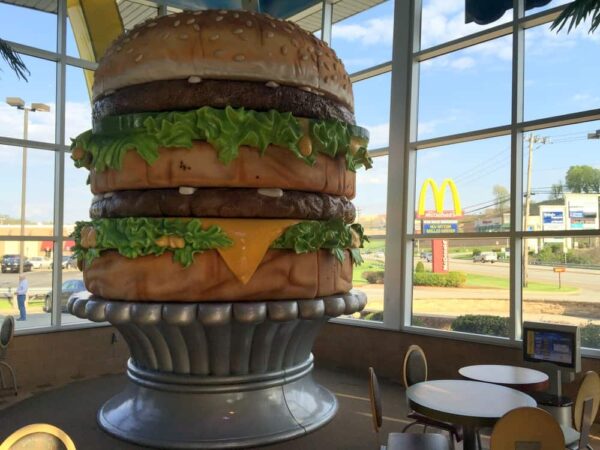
<point>559,269</point>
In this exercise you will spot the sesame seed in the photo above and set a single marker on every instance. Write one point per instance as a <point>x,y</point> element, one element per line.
<point>119,48</point>
<point>306,88</point>
<point>197,13</point>
<point>183,36</point>
<point>135,35</point>
<point>196,27</point>
<point>295,43</point>
<point>239,58</point>
<point>139,57</point>
<point>238,31</point>
<point>219,18</point>
<point>284,50</point>
<point>271,84</point>
<point>176,23</point>
<point>273,25</point>
<point>223,11</point>
<point>249,23</point>
<point>166,35</point>
<point>304,57</point>
<point>270,34</point>
<point>190,21</point>
<point>236,15</point>
<point>194,79</point>
<point>129,50</point>
<point>214,37</point>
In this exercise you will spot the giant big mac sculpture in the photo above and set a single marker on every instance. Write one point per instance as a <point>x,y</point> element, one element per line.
<point>222,157</point>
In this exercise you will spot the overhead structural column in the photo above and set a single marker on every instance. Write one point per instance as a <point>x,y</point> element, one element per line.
<point>96,24</point>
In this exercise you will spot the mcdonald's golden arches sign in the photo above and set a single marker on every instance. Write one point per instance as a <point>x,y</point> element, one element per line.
<point>439,194</point>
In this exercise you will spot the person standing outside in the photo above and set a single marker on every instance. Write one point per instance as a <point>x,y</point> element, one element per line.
<point>21,296</point>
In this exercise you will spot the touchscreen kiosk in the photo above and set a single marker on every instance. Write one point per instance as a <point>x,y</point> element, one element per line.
<point>553,344</point>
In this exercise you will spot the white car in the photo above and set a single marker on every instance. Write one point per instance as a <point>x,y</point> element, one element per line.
<point>40,262</point>
<point>484,257</point>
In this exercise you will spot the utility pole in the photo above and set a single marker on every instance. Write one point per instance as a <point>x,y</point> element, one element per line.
<point>532,139</point>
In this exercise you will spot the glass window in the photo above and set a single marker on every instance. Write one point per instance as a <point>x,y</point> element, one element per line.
<point>39,189</point>
<point>40,88</point>
<point>564,180</point>
<point>444,21</point>
<point>463,187</point>
<point>78,196</point>
<point>554,80</point>
<point>370,203</point>
<point>551,4</point>
<point>372,108</point>
<point>466,90</point>
<point>30,26</point>
<point>78,110</point>
<point>72,284</point>
<point>364,39</point>
<point>37,304</point>
<point>562,284</point>
<point>462,285</point>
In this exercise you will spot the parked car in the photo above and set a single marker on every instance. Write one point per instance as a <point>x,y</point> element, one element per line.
<point>11,263</point>
<point>427,256</point>
<point>69,287</point>
<point>40,262</point>
<point>68,262</point>
<point>484,257</point>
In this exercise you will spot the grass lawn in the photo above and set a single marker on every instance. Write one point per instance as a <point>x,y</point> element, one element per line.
<point>368,265</point>
<point>374,245</point>
<point>483,281</point>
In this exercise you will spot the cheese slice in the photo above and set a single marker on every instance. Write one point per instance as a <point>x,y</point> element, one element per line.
<point>251,240</point>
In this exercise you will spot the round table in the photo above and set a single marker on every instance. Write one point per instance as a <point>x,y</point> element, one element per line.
<point>471,404</point>
<point>521,378</point>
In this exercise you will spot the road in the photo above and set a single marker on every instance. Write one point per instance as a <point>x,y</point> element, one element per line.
<point>37,279</point>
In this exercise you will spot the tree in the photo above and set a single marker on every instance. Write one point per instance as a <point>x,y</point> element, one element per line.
<point>501,197</point>
<point>583,179</point>
<point>577,12</point>
<point>13,60</point>
<point>557,191</point>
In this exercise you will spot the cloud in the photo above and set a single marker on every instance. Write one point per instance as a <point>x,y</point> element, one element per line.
<point>370,32</point>
<point>379,135</point>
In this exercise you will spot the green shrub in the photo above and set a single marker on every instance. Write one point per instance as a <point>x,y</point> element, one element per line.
<point>480,324</point>
<point>420,267</point>
<point>590,335</point>
<point>375,315</point>
<point>476,252</point>
<point>373,276</point>
<point>450,279</point>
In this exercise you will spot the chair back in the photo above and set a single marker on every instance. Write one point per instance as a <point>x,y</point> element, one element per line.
<point>589,388</point>
<point>415,366</point>
<point>38,435</point>
<point>7,331</point>
<point>375,398</point>
<point>527,428</point>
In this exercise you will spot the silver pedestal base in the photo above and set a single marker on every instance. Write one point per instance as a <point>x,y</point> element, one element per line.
<point>242,415</point>
<point>218,375</point>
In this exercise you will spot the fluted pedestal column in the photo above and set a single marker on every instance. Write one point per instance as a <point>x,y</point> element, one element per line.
<point>218,375</point>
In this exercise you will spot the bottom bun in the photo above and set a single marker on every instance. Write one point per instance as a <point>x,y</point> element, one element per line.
<point>282,274</point>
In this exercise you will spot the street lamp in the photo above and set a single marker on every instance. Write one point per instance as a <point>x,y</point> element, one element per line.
<point>18,103</point>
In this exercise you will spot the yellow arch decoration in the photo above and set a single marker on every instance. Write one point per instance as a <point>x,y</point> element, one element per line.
<point>438,196</point>
<point>38,428</point>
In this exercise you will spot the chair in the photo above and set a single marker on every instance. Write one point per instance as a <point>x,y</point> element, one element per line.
<point>414,371</point>
<point>584,412</point>
<point>527,428</point>
<point>400,441</point>
<point>38,436</point>
<point>7,331</point>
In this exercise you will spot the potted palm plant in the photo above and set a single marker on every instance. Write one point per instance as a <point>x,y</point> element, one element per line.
<point>578,12</point>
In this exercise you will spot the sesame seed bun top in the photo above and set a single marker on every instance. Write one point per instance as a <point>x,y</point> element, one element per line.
<point>226,45</point>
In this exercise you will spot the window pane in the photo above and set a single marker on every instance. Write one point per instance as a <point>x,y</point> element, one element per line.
<point>78,110</point>
<point>40,88</point>
<point>461,285</point>
<point>370,202</point>
<point>365,39</point>
<point>565,178</point>
<point>372,108</point>
<point>29,26</point>
<point>463,188</point>
<point>72,284</point>
<point>78,196</point>
<point>466,90</point>
<point>39,192</point>
<point>571,297</point>
<point>554,80</point>
<point>444,21</point>
<point>38,274</point>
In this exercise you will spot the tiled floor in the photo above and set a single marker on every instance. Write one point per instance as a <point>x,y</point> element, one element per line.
<point>73,409</point>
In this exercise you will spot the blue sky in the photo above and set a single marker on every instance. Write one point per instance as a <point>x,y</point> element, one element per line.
<point>463,91</point>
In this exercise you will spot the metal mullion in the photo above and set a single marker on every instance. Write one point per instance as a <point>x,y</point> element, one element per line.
<point>377,152</point>
<point>80,63</point>
<point>503,130</point>
<point>371,72</point>
<point>29,144</point>
<point>516,173</point>
<point>541,18</point>
<point>465,42</point>
<point>34,51</point>
<point>470,235</point>
<point>558,233</point>
<point>59,162</point>
<point>27,238</point>
<point>326,20</point>
<point>562,120</point>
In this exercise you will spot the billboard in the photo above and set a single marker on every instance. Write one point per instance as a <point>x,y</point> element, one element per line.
<point>553,220</point>
<point>440,226</point>
<point>583,215</point>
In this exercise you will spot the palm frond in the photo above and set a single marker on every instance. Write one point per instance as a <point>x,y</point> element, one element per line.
<point>577,12</point>
<point>13,60</point>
